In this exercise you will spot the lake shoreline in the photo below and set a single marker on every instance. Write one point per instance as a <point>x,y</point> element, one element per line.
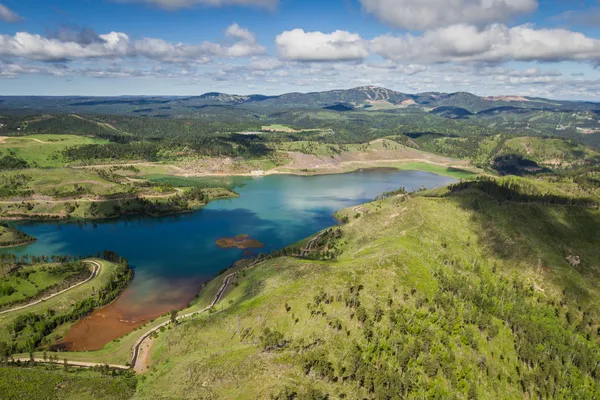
<point>65,218</point>
<point>354,166</point>
<point>25,243</point>
<point>277,211</point>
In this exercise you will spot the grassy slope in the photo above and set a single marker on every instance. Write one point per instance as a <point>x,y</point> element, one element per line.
<point>51,382</point>
<point>12,237</point>
<point>400,251</point>
<point>62,302</point>
<point>75,190</point>
<point>44,150</point>
<point>62,181</point>
<point>550,151</point>
<point>41,277</point>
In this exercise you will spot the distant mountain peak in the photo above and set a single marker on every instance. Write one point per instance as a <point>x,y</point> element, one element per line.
<point>370,87</point>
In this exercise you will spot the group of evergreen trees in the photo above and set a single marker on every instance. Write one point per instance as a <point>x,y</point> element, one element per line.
<point>441,345</point>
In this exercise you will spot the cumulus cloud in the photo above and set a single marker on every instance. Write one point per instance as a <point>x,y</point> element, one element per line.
<point>426,14</point>
<point>118,44</point>
<point>172,5</point>
<point>299,45</point>
<point>7,15</point>
<point>495,43</point>
<point>265,64</point>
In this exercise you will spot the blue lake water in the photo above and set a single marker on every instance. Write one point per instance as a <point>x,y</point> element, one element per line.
<point>173,255</point>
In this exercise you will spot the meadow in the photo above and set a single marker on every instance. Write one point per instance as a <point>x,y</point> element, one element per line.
<point>44,151</point>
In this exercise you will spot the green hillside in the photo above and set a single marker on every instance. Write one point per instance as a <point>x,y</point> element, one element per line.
<point>483,290</point>
<point>550,153</point>
<point>55,382</point>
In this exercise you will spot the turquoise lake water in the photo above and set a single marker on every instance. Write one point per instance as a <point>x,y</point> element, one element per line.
<point>173,255</point>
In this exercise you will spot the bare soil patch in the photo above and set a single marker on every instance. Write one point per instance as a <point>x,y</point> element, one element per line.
<point>143,361</point>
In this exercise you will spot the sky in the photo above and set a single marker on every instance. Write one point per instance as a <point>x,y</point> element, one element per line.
<point>544,48</point>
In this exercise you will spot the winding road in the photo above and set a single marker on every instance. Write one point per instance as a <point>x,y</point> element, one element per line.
<point>97,266</point>
<point>135,351</point>
<point>310,244</point>
<point>136,347</point>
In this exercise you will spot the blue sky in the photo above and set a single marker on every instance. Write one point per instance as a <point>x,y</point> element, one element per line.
<point>546,48</point>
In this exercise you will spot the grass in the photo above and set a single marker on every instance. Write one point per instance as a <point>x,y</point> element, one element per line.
<point>44,151</point>
<point>61,303</point>
<point>87,194</point>
<point>397,252</point>
<point>10,237</point>
<point>57,182</point>
<point>202,182</point>
<point>434,169</point>
<point>53,382</point>
<point>279,128</point>
<point>31,281</point>
<point>286,129</point>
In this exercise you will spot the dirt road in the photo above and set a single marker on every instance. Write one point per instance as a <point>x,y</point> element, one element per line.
<point>97,266</point>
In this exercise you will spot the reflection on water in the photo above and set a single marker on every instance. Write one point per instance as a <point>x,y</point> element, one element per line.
<point>173,255</point>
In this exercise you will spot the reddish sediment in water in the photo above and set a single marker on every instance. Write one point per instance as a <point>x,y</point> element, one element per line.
<point>125,315</point>
<point>241,242</point>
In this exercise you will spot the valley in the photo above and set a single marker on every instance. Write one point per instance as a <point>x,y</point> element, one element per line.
<point>346,244</point>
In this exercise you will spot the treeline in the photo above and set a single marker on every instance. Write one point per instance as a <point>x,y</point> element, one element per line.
<point>27,259</point>
<point>507,190</point>
<point>392,193</point>
<point>168,148</point>
<point>10,259</point>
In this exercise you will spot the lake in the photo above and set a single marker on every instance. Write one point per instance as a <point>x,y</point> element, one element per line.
<point>172,256</point>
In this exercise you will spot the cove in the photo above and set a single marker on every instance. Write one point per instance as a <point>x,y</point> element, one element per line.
<point>172,256</point>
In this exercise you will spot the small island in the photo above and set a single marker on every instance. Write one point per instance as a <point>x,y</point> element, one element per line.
<point>10,237</point>
<point>241,242</point>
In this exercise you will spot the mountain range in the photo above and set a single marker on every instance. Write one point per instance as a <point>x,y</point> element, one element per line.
<point>365,98</point>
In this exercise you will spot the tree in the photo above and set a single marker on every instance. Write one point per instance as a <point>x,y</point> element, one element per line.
<point>174,316</point>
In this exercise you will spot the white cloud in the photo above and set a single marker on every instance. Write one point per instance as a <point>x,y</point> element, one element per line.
<point>7,15</point>
<point>299,45</point>
<point>265,64</point>
<point>426,14</point>
<point>172,5</point>
<point>118,44</point>
<point>243,34</point>
<point>495,43</point>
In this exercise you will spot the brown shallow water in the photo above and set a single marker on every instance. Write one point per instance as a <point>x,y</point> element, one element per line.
<point>240,241</point>
<point>126,314</point>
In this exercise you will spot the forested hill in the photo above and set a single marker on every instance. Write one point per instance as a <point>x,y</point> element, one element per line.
<point>355,115</point>
<point>361,97</point>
